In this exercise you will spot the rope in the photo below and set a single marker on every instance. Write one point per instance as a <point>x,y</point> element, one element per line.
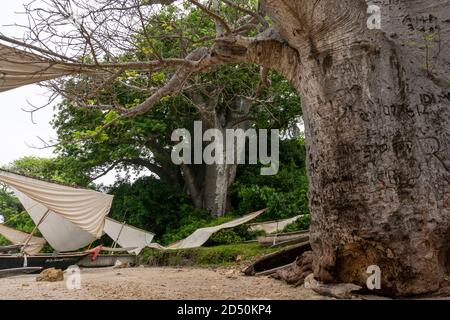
<point>90,244</point>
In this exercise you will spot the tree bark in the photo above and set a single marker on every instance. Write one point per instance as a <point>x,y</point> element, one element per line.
<point>191,185</point>
<point>377,121</point>
<point>209,186</point>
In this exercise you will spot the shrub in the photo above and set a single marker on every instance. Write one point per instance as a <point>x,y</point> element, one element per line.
<point>299,225</point>
<point>285,194</point>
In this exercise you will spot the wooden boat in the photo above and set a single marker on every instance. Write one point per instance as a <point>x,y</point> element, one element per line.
<point>43,261</point>
<point>283,239</point>
<point>107,260</point>
<point>275,261</point>
<point>18,271</point>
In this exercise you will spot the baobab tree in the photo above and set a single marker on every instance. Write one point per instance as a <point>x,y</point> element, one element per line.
<point>374,78</point>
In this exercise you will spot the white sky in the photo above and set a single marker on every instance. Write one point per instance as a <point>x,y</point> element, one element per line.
<point>17,131</point>
<point>16,128</point>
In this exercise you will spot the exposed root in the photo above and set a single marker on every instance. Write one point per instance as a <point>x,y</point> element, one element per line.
<point>298,271</point>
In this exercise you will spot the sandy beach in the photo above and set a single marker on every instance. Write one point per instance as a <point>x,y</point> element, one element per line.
<point>155,283</point>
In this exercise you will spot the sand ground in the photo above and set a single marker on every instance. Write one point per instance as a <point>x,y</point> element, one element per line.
<point>155,283</point>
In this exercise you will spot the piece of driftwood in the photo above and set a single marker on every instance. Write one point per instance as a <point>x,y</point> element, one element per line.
<point>339,290</point>
<point>273,262</point>
<point>284,239</point>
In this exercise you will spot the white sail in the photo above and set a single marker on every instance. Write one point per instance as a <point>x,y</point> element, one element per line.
<point>59,232</point>
<point>200,236</point>
<point>273,226</point>
<point>68,218</point>
<point>18,237</point>
<point>128,236</point>
<point>19,68</point>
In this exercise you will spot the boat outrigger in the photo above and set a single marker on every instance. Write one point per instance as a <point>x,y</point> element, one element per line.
<point>43,261</point>
<point>18,271</point>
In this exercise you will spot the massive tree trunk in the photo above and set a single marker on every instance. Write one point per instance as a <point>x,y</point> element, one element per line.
<point>219,177</point>
<point>208,184</point>
<point>377,120</point>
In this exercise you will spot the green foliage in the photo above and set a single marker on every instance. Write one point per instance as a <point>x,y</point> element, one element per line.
<point>192,220</point>
<point>14,215</point>
<point>62,170</point>
<point>3,241</point>
<point>227,236</point>
<point>223,255</point>
<point>299,225</point>
<point>285,194</point>
<point>162,206</point>
<point>234,235</point>
<point>13,212</point>
<point>153,204</point>
<point>147,136</point>
<point>9,205</point>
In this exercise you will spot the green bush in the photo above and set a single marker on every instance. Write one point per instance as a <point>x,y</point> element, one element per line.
<point>227,236</point>
<point>285,194</point>
<point>204,256</point>
<point>299,225</point>
<point>3,241</point>
<point>154,205</point>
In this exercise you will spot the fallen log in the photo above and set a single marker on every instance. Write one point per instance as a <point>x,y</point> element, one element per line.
<point>273,262</point>
<point>284,239</point>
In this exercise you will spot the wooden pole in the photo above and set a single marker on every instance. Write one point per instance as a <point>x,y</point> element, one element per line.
<point>34,230</point>
<point>118,236</point>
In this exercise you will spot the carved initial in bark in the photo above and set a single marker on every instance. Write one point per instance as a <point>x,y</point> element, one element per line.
<point>377,119</point>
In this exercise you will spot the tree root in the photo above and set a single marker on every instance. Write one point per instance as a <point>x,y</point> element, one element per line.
<point>298,271</point>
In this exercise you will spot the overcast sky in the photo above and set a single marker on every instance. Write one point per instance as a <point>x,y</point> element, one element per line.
<point>17,132</point>
<point>16,129</point>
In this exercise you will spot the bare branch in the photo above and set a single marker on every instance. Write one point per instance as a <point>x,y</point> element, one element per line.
<point>215,16</point>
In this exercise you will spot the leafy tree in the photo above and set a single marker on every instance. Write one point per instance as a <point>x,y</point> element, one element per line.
<point>155,205</point>
<point>225,97</point>
<point>61,170</point>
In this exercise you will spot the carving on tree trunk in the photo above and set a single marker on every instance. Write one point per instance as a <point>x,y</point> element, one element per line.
<point>376,107</point>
